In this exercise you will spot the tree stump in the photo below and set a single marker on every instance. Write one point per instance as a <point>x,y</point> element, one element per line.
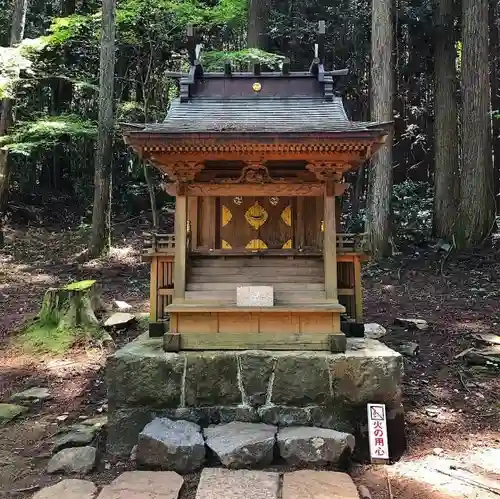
<point>68,314</point>
<point>71,306</point>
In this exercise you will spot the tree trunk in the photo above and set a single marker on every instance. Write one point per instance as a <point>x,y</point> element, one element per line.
<point>152,195</point>
<point>258,11</point>
<point>446,170</point>
<point>101,215</point>
<point>6,116</point>
<point>477,197</point>
<point>382,83</point>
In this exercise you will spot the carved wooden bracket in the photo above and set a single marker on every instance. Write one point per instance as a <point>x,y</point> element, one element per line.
<point>326,170</point>
<point>180,171</point>
<point>253,173</point>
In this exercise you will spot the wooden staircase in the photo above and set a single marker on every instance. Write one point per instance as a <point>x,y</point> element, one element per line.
<point>296,280</point>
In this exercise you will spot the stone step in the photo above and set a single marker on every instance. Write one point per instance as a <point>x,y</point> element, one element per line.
<point>215,483</point>
<point>218,483</point>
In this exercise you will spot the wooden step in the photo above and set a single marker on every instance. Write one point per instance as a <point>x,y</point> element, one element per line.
<point>256,271</point>
<point>231,286</point>
<point>256,280</point>
<point>256,262</point>
<point>280,298</point>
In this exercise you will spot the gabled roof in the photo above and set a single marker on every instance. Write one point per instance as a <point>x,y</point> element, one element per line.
<point>265,115</point>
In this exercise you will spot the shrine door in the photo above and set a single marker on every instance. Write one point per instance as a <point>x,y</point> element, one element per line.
<point>256,223</point>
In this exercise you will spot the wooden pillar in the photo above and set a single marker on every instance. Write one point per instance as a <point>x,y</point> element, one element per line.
<point>180,247</point>
<point>330,245</point>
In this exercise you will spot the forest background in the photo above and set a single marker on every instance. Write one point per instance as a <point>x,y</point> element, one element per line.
<point>431,66</point>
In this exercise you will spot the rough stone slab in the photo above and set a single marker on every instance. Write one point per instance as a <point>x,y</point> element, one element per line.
<point>338,417</point>
<point>301,379</point>
<point>8,412</point>
<point>255,296</point>
<point>144,485</point>
<point>369,371</point>
<point>124,426</point>
<point>75,438</point>
<point>68,489</point>
<point>309,445</point>
<point>255,375</point>
<point>218,483</point>
<point>279,415</point>
<point>211,379</point>
<point>374,331</point>
<point>75,460</point>
<point>142,374</point>
<point>32,394</point>
<point>119,320</point>
<point>308,484</point>
<point>241,445</point>
<point>171,445</point>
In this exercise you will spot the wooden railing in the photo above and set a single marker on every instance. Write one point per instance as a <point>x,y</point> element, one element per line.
<point>155,243</point>
<point>353,243</point>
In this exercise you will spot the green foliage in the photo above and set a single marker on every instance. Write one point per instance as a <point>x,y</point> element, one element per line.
<point>49,338</point>
<point>45,132</point>
<point>412,211</point>
<point>214,60</point>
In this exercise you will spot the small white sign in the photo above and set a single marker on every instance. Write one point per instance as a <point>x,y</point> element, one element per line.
<point>377,431</point>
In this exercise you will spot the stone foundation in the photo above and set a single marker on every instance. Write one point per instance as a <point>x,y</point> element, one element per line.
<point>281,388</point>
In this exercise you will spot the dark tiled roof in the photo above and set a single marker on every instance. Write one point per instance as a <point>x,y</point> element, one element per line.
<point>205,115</point>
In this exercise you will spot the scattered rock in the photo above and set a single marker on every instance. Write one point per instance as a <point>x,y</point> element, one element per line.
<point>171,445</point>
<point>75,460</point>
<point>489,338</point>
<point>10,411</point>
<point>144,485</point>
<point>122,306</point>
<point>240,445</point>
<point>133,454</point>
<point>438,451</point>
<point>318,484</point>
<point>364,493</point>
<point>69,489</point>
<point>119,320</point>
<point>96,422</point>
<point>408,348</point>
<point>62,418</point>
<point>32,394</point>
<point>218,483</point>
<point>412,323</point>
<point>75,438</point>
<point>309,445</point>
<point>374,331</point>
<point>432,411</point>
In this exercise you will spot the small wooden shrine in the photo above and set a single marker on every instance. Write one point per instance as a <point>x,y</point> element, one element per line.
<point>256,162</point>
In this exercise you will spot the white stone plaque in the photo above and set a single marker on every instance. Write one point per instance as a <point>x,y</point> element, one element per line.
<point>255,296</point>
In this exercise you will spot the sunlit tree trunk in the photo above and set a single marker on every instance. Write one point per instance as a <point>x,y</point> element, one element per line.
<point>446,167</point>
<point>382,83</point>
<point>101,215</point>
<point>6,116</point>
<point>477,196</point>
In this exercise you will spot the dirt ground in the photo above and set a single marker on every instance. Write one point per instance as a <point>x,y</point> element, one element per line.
<point>452,409</point>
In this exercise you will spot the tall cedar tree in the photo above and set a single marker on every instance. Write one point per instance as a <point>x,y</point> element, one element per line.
<point>258,12</point>
<point>382,85</point>
<point>477,197</point>
<point>101,215</point>
<point>446,167</point>
<point>19,10</point>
